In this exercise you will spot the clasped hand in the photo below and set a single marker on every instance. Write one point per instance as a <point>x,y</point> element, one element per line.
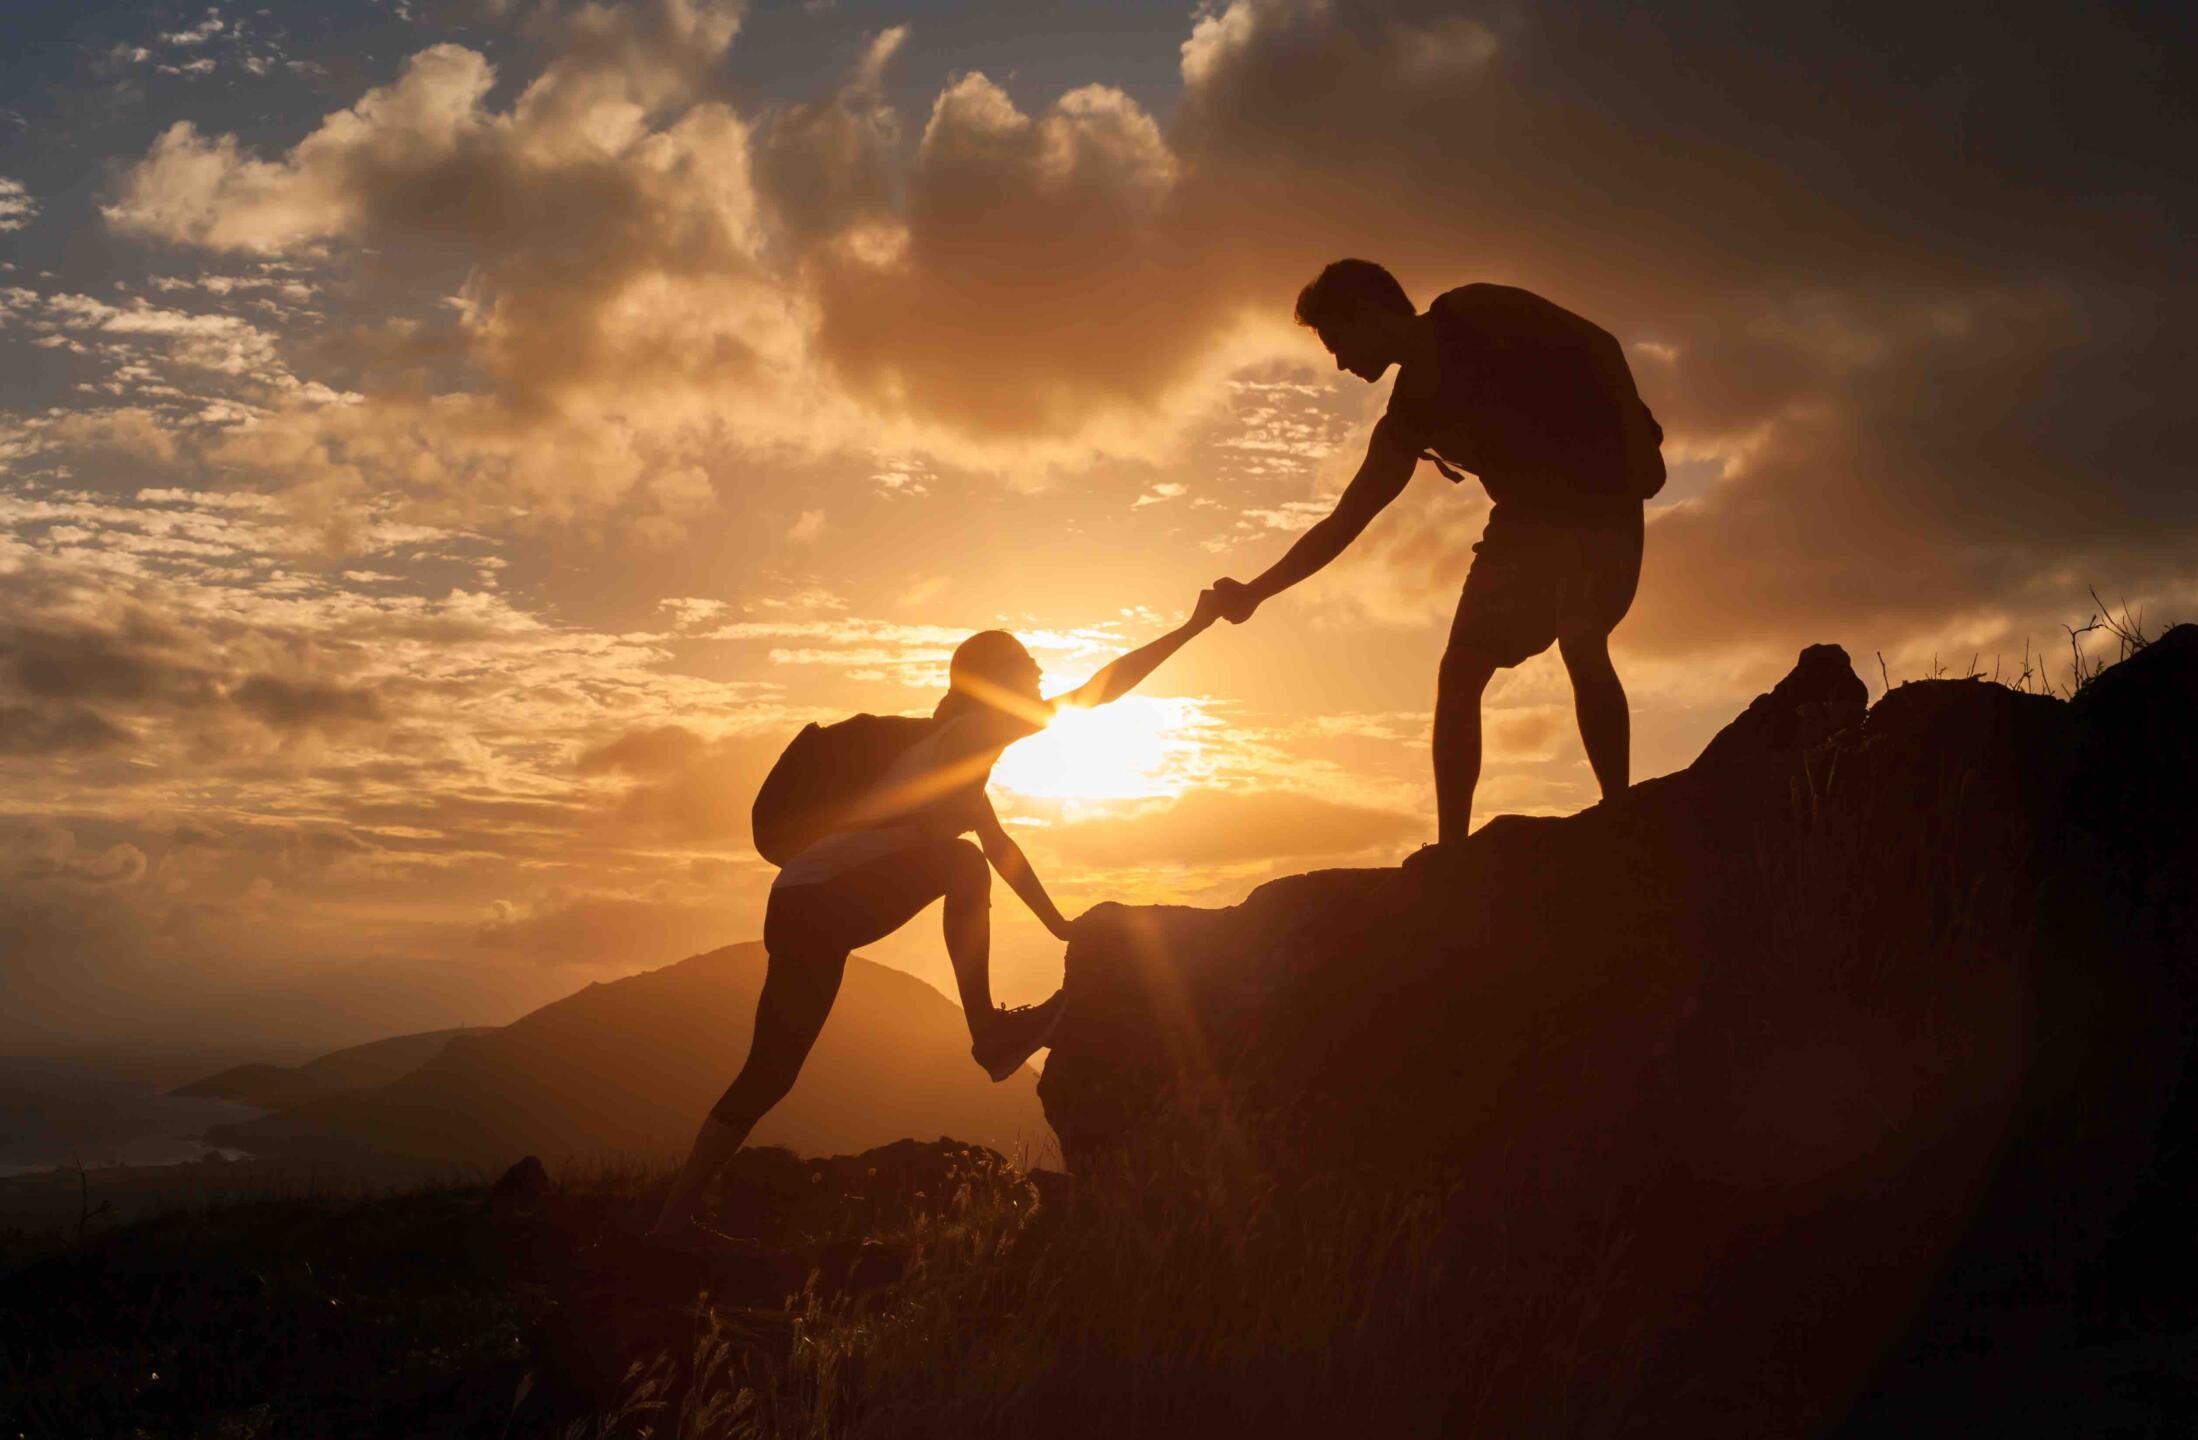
<point>1233,600</point>
<point>1230,600</point>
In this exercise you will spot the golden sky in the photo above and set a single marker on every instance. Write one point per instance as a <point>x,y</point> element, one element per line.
<point>446,450</point>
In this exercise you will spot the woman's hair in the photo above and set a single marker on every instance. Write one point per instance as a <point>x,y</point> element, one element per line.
<point>989,659</point>
<point>1348,285</point>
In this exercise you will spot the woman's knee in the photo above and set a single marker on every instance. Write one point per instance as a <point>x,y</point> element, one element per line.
<point>761,1084</point>
<point>965,869</point>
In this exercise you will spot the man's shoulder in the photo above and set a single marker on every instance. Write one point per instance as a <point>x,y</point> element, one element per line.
<point>1494,306</point>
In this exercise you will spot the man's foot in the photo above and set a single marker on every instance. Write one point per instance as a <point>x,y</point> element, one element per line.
<point>1425,856</point>
<point>1013,1036</point>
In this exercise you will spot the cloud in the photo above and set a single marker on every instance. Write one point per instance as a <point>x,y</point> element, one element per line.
<point>828,167</point>
<point>49,853</point>
<point>342,538</point>
<point>17,208</point>
<point>200,33</point>
<point>1901,398</point>
<point>691,793</point>
<point>293,705</point>
<point>141,660</point>
<point>655,751</point>
<point>38,730</point>
<point>648,265</point>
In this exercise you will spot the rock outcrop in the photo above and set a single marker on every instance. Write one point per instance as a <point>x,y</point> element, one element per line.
<point>1774,1052</point>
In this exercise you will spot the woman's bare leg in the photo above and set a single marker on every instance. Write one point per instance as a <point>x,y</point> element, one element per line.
<point>797,997</point>
<point>968,926</point>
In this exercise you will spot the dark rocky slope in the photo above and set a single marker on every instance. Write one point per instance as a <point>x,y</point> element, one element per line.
<point>1858,1020</point>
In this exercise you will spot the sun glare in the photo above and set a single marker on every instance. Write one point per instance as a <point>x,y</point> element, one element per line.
<point>1134,749</point>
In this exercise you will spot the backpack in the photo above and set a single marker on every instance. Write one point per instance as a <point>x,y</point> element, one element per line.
<point>1644,442</point>
<point>821,779</point>
<point>1547,372</point>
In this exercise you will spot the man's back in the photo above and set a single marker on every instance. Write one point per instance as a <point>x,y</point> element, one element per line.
<point>1535,400</point>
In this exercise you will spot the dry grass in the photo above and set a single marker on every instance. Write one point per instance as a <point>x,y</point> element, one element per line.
<point>1180,1289</point>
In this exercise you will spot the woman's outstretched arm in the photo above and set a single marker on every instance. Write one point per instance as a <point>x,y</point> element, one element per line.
<point>1127,672</point>
<point>1007,857</point>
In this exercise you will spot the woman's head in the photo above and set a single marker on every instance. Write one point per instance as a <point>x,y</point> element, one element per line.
<point>991,668</point>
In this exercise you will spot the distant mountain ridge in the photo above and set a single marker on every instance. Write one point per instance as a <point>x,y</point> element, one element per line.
<point>628,1069</point>
<point>356,1067</point>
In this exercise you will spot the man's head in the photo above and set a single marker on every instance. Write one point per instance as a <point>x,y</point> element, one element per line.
<point>1360,313</point>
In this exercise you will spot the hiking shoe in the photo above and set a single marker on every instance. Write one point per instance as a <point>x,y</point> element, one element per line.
<point>1013,1036</point>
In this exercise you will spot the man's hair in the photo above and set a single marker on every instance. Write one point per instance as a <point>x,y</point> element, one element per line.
<point>1346,286</point>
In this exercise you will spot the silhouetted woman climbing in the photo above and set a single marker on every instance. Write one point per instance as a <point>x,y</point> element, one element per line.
<point>867,817</point>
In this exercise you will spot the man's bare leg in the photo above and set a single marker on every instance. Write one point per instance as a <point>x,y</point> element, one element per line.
<point>1599,701</point>
<point>1458,691</point>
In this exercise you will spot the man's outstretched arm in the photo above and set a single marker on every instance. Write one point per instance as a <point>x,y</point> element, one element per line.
<point>1381,477</point>
<point>1124,674</point>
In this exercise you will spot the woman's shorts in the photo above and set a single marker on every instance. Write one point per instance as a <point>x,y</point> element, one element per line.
<point>864,903</point>
<point>1535,579</point>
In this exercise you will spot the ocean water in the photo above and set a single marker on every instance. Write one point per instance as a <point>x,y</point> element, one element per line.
<point>103,1111</point>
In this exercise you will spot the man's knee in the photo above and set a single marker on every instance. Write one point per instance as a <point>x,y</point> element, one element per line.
<point>1586,654</point>
<point>1462,678</point>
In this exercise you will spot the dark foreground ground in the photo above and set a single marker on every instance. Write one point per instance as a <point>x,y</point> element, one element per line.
<point>508,1309</point>
<point>913,1290</point>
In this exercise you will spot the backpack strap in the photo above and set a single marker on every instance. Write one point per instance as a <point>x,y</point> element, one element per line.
<point>1454,476</point>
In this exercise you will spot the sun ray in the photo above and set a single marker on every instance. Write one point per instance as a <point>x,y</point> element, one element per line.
<point>1137,748</point>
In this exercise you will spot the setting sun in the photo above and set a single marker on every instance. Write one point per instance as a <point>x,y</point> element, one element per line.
<point>1133,749</point>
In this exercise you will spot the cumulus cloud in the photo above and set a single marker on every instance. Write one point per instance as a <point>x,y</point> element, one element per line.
<point>829,167</point>
<point>615,316</point>
<point>17,208</point>
<point>645,261</point>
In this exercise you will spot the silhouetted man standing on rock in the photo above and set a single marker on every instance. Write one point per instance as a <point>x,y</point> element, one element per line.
<point>1540,405</point>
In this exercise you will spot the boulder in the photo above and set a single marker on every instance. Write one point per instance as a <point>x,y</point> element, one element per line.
<point>1769,1051</point>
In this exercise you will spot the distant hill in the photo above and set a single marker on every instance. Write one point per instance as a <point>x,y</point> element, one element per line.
<point>357,1067</point>
<point>629,1068</point>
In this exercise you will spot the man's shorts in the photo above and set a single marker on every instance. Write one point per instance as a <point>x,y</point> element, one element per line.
<point>1534,579</point>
